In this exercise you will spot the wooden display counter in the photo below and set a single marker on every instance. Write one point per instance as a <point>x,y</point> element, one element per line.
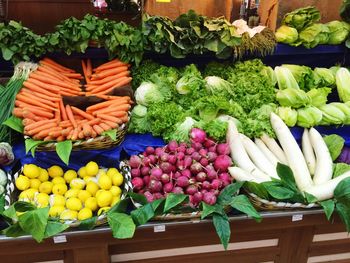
<point>281,237</point>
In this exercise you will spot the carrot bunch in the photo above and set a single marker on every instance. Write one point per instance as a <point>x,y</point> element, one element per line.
<point>45,117</point>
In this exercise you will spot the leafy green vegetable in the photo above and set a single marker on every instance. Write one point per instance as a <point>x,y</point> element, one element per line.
<point>302,17</point>
<point>340,168</point>
<point>314,35</point>
<point>285,78</point>
<point>302,74</point>
<point>338,32</point>
<point>190,82</point>
<point>122,225</point>
<point>220,69</point>
<point>148,93</point>
<point>143,72</point>
<point>181,131</point>
<point>319,96</point>
<point>342,78</point>
<point>215,129</point>
<point>331,114</point>
<point>222,227</point>
<point>309,116</point>
<point>288,115</point>
<point>324,77</point>
<point>63,150</point>
<point>216,85</point>
<point>291,97</point>
<point>287,35</point>
<point>335,144</point>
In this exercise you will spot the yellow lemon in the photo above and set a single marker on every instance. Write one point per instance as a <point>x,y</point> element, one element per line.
<point>56,210</point>
<point>88,179</point>
<point>46,187</point>
<point>105,182</point>
<point>91,168</point>
<point>43,176</point>
<point>58,180</point>
<point>91,203</point>
<point>71,193</point>
<point>115,190</point>
<point>103,210</point>
<point>112,171</point>
<point>35,183</point>
<point>69,215</point>
<point>100,173</point>
<point>92,188</point>
<point>31,171</point>
<point>84,213</point>
<point>77,184</point>
<point>70,175</point>
<point>59,189</point>
<point>117,179</point>
<point>74,203</point>
<point>104,198</point>
<point>28,195</point>
<point>57,200</point>
<point>22,183</point>
<point>115,200</point>
<point>41,199</point>
<point>98,192</point>
<point>83,195</point>
<point>82,172</point>
<point>55,171</point>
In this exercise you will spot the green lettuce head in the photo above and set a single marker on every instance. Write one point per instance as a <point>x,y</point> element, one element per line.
<point>288,115</point>
<point>314,35</point>
<point>338,32</point>
<point>332,115</point>
<point>309,116</point>
<point>286,34</point>
<point>323,77</point>
<point>302,17</point>
<point>294,98</point>
<point>319,96</point>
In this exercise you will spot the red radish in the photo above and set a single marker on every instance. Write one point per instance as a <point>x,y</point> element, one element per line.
<point>157,196</point>
<point>203,152</point>
<point>172,159</point>
<point>204,161</point>
<point>145,170</point>
<point>172,146</point>
<point>216,184</point>
<point>135,172</point>
<point>189,151</point>
<point>206,185</point>
<point>203,191</point>
<point>182,181</point>
<point>146,161</point>
<point>165,178</point>
<point>177,174</point>
<point>196,156</point>
<point>180,164</point>
<point>159,151</point>
<point>166,167</point>
<point>187,161</point>
<point>225,177</point>
<point>222,163</point>
<point>180,156</point>
<point>201,177</point>
<point>197,198</point>
<point>196,145</point>
<point>178,190</point>
<point>146,179</point>
<point>215,191</point>
<point>186,173</point>
<point>223,149</point>
<point>212,149</point>
<point>191,189</point>
<point>212,174</point>
<point>156,172</point>
<point>155,186</point>
<point>183,144</point>
<point>198,135</point>
<point>152,159</point>
<point>209,143</point>
<point>148,196</point>
<point>168,187</point>
<point>137,183</point>
<point>149,150</point>
<point>196,168</point>
<point>209,198</point>
<point>212,156</point>
<point>181,149</point>
<point>164,157</point>
<point>135,161</point>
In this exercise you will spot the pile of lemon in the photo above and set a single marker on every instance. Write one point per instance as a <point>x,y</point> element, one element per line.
<point>71,195</point>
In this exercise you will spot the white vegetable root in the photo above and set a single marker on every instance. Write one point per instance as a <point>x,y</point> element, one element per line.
<point>240,175</point>
<point>275,148</point>
<point>266,151</point>
<point>308,152</point>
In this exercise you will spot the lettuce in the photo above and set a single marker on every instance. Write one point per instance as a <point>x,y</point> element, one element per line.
<point>287,35</point>
<point>342,78</point>
<point>302,17</point>
<point>291,97</point>
<point>338,32</point>
<point>285,78</point>
<point>323,77</point>
<point>319,96</point>
<point>288,115</point>
<point>302,74</point>
<point>309,116</point>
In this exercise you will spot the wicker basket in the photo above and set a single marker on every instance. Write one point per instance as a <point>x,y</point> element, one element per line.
<point>12,194</point>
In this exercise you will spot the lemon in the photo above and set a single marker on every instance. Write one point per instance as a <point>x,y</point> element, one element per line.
<point>22,183</point>
<point>88,179</point>
<point>84,213</point>
<point>28,194</point>
<point>91,168</point>
<point>71,193</point>
<point>115,200</point>
<point>112,171</point>
<point>74,203</point>
<point>83,195</point>
<point>59,189</point>
<point>100,173</point>
<point>103,210</point>
<point>104,198</point>
<point>43,176</point>
<point>57,200</point>
<point>70,175</point>
<point>115,190</point>
<point>91,203</point>
<point>105,182</point>
<point>46,187</point>
<point>35,183</point>
<point>92,188</point>
<point>82,172</point>
<point>69,215</point>
<point>56,210</point>
<point>98,192</point>
<point>58,180</point>
<point>117,179</point>
<point>77,184</point>
<point>55,171</point>
<point>31,171</point>
<point>41,199</point>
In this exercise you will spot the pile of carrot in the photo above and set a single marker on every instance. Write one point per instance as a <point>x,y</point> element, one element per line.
<point>45,117</point>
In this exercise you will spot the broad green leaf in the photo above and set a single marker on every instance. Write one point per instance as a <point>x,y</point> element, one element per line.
<point>286,176</point>
<point>14,123</point>
<point>328,207</point>
<point>53,228</point>
<point>34,222</point>
<point>343,211</point>
<point>335,144</point>
<point>14,230</point>
<point>222,227</point>
<point>340,168</point>
<point>122,225</point>
<point>139,198</point>
<point>21,206</point>
<point>228,192</point>
<point>111,133</point>
<point>143,214</point>
<point>208,210</point>
<point>310,198</point>
<point>2,203</point>
<point>257,189</point>
<point>31,145</point>
<point>242,203</point>
<point>7,53</point>
<point>88,224</point>
<point>158,206</point>
<point>278,192</point>
<point>10,213</point>
<point>342,191</point>
<point>120,207</point>
<point>173,200</point>
<point>63,150</point>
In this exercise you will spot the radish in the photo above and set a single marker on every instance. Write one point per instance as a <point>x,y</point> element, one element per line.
<point>308,152</point>
<point>196,156</point>
<point>145,170</point>
<point>155,186</point>
<point>148,196</point>
<point>168,187</point>
<point>208,143</point>
<point>165,178</point>
<point>137,183</point>
<point>269,155</point>
<point>324,163</point>
<point>222,163</point>
<point>212,156</point>
<point>258,157</point>
<point>241,175</point>
<point>172,159</point>
<point>149,150</point>
<point>275,148</point>
<point>206,185</point>
<point>186,172</point>
<point>172,146</point>
<point>209,198</point>
<point>189,151</point>
<point>293,153</point>
<point>156,172</point>
<point>136,172</point>
<point>198,135</point>
<point>180,156</point>
<point>201,177</point>
<point>216,184</point>
<point>135,161</point>
<point>182,181</point>
<point>197,198</point>
<point>223,149</point>
<point>204,161</point>
<point>146,179</point>
<point>191,189</point>
<point>178,190</point>
<point>196,168</point>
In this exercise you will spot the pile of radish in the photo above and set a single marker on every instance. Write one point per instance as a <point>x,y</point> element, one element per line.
<point>199,169</point>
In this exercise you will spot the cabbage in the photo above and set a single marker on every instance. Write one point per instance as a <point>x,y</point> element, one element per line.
<point>309,116</point>
<point>139,111</point>
<point>338,32</point>
<point>302,74</point>
<point>290,97</point>
<point>302,17</point>
<point>148,93</point>
<point>190,82</point>
<point>319,96</point>
<point>3,178</point>
<point>181,130</point>
<point>314,35</point>
<point>270,74</point>
<point>332,115</point>
<point>286,35</point>
<point>285,78</point>
<point>342,79</point>
<point>216,85</point>
<point>323,77</point>
<point>288,115</point>
<point>345,109</point>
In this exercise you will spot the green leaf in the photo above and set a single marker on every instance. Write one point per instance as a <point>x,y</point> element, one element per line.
<point>286,176</point>
<point>53,228</point>
<point>34,222</point>
<point>111,133</point>
<point>10,213</point>
<point>14,123</point>
<point>21,206</point>
<point>342,191</point>
<point>158,206</point>
<point>328,207</point>
<point>143,214</point>
<point>310,198</point>
<point>173,200</point>
<point>14,230</point>
<point>7,53</point>
<point>139,198</point>
<point>343,211</point>
<point>63,150</point>
<point>340,168</point>
<point>122,225</point>
<point>335,144</point>
<point>257,189</point>
<point>31,145</point>
<point>222,227</point>
<point>2,204</point>
<point>88,224</point>
<point>120,207</point>
<point>208,210</point>
<point>242,203</point>
<point>278,192</point>
<point>228,192</point>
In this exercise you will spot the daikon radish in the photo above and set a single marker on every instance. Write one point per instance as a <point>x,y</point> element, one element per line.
<point>324,163</point>
<point>293,153</point>
<point>240,175</point>
<point>258,157</point>
<point>275,148</point>
<point>326,190</point>
<point>308,152</point>
<point>266,151</point>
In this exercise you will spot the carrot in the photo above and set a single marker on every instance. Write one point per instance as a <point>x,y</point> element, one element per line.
<point>64,91</point>
<point>39,112</point>
<point>58,114</point>
<point>63,110</point>
<point>105,104</point>
<point>41,128</point>
<point>88,68</point>
<point>27,121</point>
<point>18,112</point>
<point>117,114</point>
<point>35,88</point>
<point>93,134</point>
<point>82,113</point>
<point>106,66</point>
<point>56,133</point>
<point>25,99</point>
<point>32,97</point>
<point>29,115</point>
<point>118,107</point>
<point>108,72</point>
<point>48,138</point>
<point>38,124</point>
<point>107,63</point>
<point>60,138</point>
<point>98,129</point>
<point>105,126</point>
<point>65,124</point>
<point>108,79</point>
<point>109,118</point>
<point>108,85</point>
<point>70,116</point>
<point>122,83</point>
<point>67,131</point>
<point>54,73</point>
<point>75,134</point>
<point>87,80</point>
<point>48,60</point>
<point>87,129</point>
<point>111,124</point>
<point>73,75</point>
<point>46,132</point>
<point>43,85</point>
<point>125,118</point>
<point>46,78</point>
<point>56,68</point>
<point>40,95</point>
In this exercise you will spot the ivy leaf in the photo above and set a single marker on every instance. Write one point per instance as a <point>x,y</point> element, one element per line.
<point>208,210</point>
<point>143,214</point>
<point>88,224</point>
<point>173,200</point>
<point>228,192</point>
<point>53,228</point>
<point>14,123</point>
<point>111,133</point>
<point>63,150</point>
<point>222,227</point>
<point>328,207</point>
<point>34,222</point>
<point>242,203</point>
<point>122,225</point>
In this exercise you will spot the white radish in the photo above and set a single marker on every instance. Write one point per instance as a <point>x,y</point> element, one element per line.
<point>308,152</point>
<point>240,175</point>
<point>266,151</point>
<point>324,163</point>
<point>258,158</point>
<point>275,148</point>
<point>293,153</point>
<point>326,190</point>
